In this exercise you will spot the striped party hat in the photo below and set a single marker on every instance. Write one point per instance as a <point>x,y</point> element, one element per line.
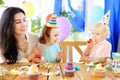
<point>52,22</point>
<point>105,19</point>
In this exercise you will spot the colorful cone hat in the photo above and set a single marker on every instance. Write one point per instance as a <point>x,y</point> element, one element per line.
<point>52,22</point>
<point>105,19</point>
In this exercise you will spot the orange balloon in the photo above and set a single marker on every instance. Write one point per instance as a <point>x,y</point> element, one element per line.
<point>48,18</point>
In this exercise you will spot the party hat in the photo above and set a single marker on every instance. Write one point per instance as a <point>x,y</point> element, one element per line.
<point>52,21</point>
<point>105,19</point>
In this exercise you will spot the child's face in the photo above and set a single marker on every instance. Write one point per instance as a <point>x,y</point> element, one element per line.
<point>54,35</point>
<point>97,36</point>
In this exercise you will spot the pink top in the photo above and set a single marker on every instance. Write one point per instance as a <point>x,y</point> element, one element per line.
<point>101,49</point>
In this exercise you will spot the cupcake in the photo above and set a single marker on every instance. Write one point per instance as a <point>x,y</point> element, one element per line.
<point>33,72</point>
<point>100,70</point>
<point>69,70</point>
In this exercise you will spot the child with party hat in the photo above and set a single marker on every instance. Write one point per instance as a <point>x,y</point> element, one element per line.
<point>50,38</point>
<point>98,48</point>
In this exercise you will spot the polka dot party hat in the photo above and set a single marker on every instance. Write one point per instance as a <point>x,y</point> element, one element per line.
<point>52,22</point>
<point>105,19</point>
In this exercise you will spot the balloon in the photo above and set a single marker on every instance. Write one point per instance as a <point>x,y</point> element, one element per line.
<point>64,27</point>
<point>48,18</point>
<point>29,9</point>
<point>95,14</point>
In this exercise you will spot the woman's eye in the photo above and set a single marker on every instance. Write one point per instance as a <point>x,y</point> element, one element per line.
<point>17,22</point>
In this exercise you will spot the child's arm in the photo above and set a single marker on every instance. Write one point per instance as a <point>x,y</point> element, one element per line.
<point>96,60</point>
<point>87,51</point>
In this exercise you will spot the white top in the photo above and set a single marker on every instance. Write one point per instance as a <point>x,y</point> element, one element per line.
<point>22,57</point>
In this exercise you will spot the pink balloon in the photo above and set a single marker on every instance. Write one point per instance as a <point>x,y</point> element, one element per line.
<point>64,27</point>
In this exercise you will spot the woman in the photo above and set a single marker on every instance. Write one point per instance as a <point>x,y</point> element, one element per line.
<point>16,43</point>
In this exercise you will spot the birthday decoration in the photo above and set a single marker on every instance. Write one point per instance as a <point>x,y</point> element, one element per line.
<point>95,14</point>
<point>39,55</point>
<point>116,56</point>
<point>52,22</point>
<point>48,18</point>
<point>64,27</point>
<point>89,41</point>
<point>105,18</point>
<point>14,72</point>
<point>116,62</point>
<point>29,9</point>
<point>3,71</point>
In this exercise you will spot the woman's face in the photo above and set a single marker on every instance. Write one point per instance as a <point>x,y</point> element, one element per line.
<point>54,35</point>
<point>20,24</point>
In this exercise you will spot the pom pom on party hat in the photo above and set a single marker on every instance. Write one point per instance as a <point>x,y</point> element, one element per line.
<point>105,19</point>
<point>52,22</point>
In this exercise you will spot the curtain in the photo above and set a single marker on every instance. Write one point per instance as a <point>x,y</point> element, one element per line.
<point>77,16</point>
<point>58,7</point>
<point>114,22</point>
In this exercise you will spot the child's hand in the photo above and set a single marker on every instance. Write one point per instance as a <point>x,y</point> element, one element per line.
<point>90,43</point>
<point>59,56</point>
<point>83,58</point>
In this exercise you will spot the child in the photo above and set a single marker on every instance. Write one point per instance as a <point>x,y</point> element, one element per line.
<point>98,48</point>
<point>49,38</point>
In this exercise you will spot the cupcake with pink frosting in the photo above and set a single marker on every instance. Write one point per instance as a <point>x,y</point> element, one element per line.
<point>69,70</point>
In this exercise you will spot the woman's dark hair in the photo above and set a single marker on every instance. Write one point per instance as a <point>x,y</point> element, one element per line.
<point>45,36</point>
<point>8,42</point>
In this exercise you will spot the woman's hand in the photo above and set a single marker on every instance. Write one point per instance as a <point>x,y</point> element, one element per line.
<point>36,49</point>
<point>59,56</point>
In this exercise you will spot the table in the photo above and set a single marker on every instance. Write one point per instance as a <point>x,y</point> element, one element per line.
<point>81,74</point>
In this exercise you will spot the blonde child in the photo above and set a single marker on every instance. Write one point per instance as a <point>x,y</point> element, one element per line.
<point>50,37</point>
<point>98,48</point>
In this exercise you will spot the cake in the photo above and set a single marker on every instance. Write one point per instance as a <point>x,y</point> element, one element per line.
<point>33,72</point>
<point>69,70</point>
<point>100,70</point>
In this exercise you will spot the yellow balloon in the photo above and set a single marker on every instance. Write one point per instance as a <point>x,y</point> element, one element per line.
<point>29,9</point>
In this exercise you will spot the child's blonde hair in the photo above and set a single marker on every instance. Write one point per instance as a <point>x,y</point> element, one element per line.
<point>103,29</point>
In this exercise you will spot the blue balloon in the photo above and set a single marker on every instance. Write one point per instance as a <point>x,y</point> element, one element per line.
<point>95,14</point>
